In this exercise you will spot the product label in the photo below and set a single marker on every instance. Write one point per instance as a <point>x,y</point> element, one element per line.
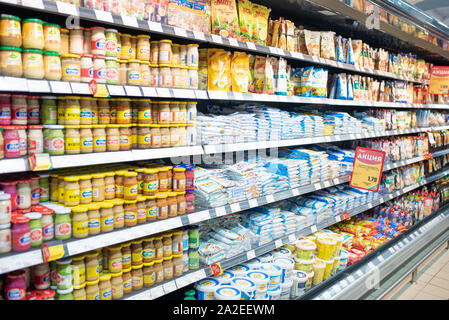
<point>71,196</point>
<point>42,280</point>
<point>126,259</point>
<point>173,209</point>
<point>100,73</point>
<point>36,235</point>
<point>87,72</point>
<point>106,293</point>
<point>141,214</point>
<point>148,279</point>
<point>63,229</point>
<point>124,114</point>
<point>72,70</point>
<point>108,221</point>
<point>113,140</point>
<point>127,284</point>
<point>119,219</point>
<point>100,141</point>
<point>164,117</point>
<point>95,296</point>
<point>144,139</point>
<point>117,291</point>
<point>159,252</point>
<point>163,212</point>
<point>92,272</point>
<point>86,193</point>
<point>12,146</point>
<point>99,44</point>
<point>118,190</point>
<point>109,189</point>
<point>148,253</point>
<point>111,46</point>
<point>80,227</point>
<point>151,186</point>
<point>15,294</point>
<point>94,224</point>
<point>5,113</point>
<point>85,113</point>
<point>137,281</point>
<point>115,264</point>
<point>111,74</point>
<point>72,143</point>
<point>35,194</point>
<point>130,191</point>
<point>56,144</point>
<point>134,75</point>
<point>48,231</point>
<point>152,212</point>
<point>144,115</point>
<point>130,216</point>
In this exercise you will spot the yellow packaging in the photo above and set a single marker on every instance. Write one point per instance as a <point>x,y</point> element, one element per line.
<point>79,227</point>
<point>240,72</point>
<point>72,113</point>
<point>328,268</point>
<point>130,191</point>
<point>219,70</point>
<point>260,24</point>
<point>325,247</point>
<point>245,9</point>
<point>318,271</point>
<point>124,114</point>
<point>86,194</point>
<point>71,195</point>
<point>86,144</point>
<point>144,139</point>
<point>72,143</point>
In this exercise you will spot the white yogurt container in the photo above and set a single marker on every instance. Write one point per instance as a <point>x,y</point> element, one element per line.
<point>274,272</point>
<point>239,270</point>
<point>205,288</point>
<point>299,283</point>
<point>274,293</point>
<point>227,293</point>
<point>266,258</point>
<point>246,286</point>
<point>260,279</point>
<point>282,252</point>
<point>286,264</point>
<point>254,264</point>
<point>286,289</point>
<point>225,277</point>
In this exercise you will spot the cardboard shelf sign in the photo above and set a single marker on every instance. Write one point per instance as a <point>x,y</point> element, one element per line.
<point>367,171</point>
<point>439,80</point>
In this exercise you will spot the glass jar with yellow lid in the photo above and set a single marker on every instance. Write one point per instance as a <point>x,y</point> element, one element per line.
<point>109,185</point>
<point>71,67</point>
<point>33,64</point>
<point>134,74</point>
<point>163,179</point>
<point>64,33</point>
<point>151,208</point>
<point>106,217</point>
<point>92,266</point>
<point>141,209</point>
<point>115,258</point>
<point>98,186</point>
<point>104,111</point>
<point>93,213</point>
<point>148,252</point>
<point>99,136</point>
<point>124,114</point>
<point>167,266</point>
<point>126,255</point>
<point>78,271</point>
<point>130,190</point>
<point>11,61</point>
<point>158,247</point>
<point>86,139</point>
<point>137,277</point>
<point>133,48</point>
<point>184,74</point>
<point>162,205</point>
<point>72,110</point>
<point>130,208</point>
<point>158,270</point>
<point>85,188</point>
<point>176,58</point>
<point>167,243</point>
<point>149,276</point>
<point>10,31</point>
<point>122,66</point>
<point>117,285</point>
<point>178,265</point>
<point>145,74</point>
<point>112,137</point>
<point>71,191</point>
<point>80,222</point>
<point>136,252</point>
<point>165,52</point>
<point>72,139</point>
<point>154,52</point>
<point>33,34</point>
<point>125,52</point>
<point>119,213</point>
<point>92,290</point>
<point>119,186</point>
<point>85,110</point>
<point>143,47</point>
<point>127,281</point>
<point>150,182</point>
<point>165,76</point>
<point>105,286</point>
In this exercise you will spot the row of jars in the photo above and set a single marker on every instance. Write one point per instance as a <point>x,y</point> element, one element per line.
<point>84,186</point>
<point>110,272</point>
<point>37,34</point>
<point>16,109</point>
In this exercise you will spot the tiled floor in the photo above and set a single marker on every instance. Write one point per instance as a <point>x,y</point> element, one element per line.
<point>433,281</point>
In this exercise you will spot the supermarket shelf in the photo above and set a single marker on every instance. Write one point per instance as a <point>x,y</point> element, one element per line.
<point>385,261</point>
<point>70,161</point>
<point>232,147</point>
<point>103,17</point>
<point>167,287</point>
<point>10,261</point>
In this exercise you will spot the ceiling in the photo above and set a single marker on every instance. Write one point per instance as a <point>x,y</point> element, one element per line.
<point>438,9</point>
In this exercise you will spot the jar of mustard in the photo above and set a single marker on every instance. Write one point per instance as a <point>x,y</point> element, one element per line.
<point>33,34</point>
<point>33,64</point>
<point>52,66</point>
<point>71,67</point>
<point>165,52</point>
<point>72,111</point>
<point>71,191</point>
<point>122,66</point>
<point>125,137</point>
<point>134,74</point>
<point>143,47</point>
<point>99,136</point>
<point>10,31</point>
<point>64,33</point>
<point>113,137</point>
<point>165,76</point>
<point>143,137</point>
<point>124,114</point>
<point>52,37</point>
<point>11,61</point>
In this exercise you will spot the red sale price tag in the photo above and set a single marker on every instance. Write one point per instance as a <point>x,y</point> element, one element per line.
<point>216,269</point>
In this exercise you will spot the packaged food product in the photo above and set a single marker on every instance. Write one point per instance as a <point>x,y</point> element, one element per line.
<point>260,24</point>
<point>312,41</point>
<point>245,10</point>
<point>239,72</point>
<point>33,64</point>
<point>52,66</point>
<point>219,67</point>
<point>10,31</point>
<point>71,67</point>
<point>33,34</point>
<point>11,61</point>
<point>327,45</point>
<point>224,18</point>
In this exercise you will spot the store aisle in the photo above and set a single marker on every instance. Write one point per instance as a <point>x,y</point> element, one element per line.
<point>433,281</point>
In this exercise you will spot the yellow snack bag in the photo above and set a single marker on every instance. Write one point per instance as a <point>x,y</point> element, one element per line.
<point>218,70</point>
<point>245,20</point>
<point>260,24</point>
<point>240,72</point>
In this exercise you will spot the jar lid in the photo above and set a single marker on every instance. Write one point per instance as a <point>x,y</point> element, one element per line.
<point>140,198</point>
<point>117,202</point>
<point>33,20</point>
<point>92,283</point>
<point>116,274</point>
<point>181,193</point>
<point>62,210</point>
<point>33,51</point>
<point>165,40</point>
<point>80,286</point>
<point>143,36</point>
<point>150,197</point>
<point>92,254</point>
<point>8,16</point>
<point>85,177</point>
<point>136,242</point>
<point>148,264</point>
<point>111,30</point>
<point>179,255</point>
<point>65,291</point>
<point>121,172</point>
<point>99,56</point>
<point>47,24</point>
<point>97,175</point>
<point>10,48</point>
<point>97,28</point>
<point>93,206</point>
<point>164,65</point>
<point>79,209</point>
<point>71,178</point>
<point>167,258</point>
<point>171,194</point>
<point>134,61</point>
<point>88,55</point>
<point>126,270</point>
<point>33,215</point>
<point>64,30</point>
<point>105,276</point>
<point>161,195</point>
<point>159,260</point>
<point>54,126</point>
<point>109,174</point>
<point>151,170</point>
<point>78,257</point>
<point>179,169</point>
<point>137,267</point>
<point>130,201</point>
<point>193,45</point>
<point>111,58</point>
<point>179,232</point>
<point>125,35</point>
<point>106,205</point>
<point>148,239</point>
<point>115,247</point>
<point>35,126</point>
<point>17,274</point>
<point>70,55</point>
<point>98,126</point>
<point>126,244</point>
<point>131,174</point>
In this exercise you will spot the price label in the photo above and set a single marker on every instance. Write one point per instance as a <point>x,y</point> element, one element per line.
<point>381,259</point>
<point>278,243</point>
<point>313,229</point>
<point>180,32</point>
<point>194,218</point>
<point>9,1</point>
<point>38,86</point>
<point>253,203</point>
<point>157,292</point>
<point>163,93</point>
<point>53,250</point>
<point>337,218</point>
<point>391,250</point>
<point>218,95</point>
<point>184,93</point>
<point>238,96</point>
<point>270,198</point>
<point>103,15</point>
<point>80,88</point>
<point>169,287</point>
<point>359,273</point>
<point>221,211</point>
<point>154,26</point>
<point>233,42</point>
<point>295,192</point>
<point>273,50</point>
<point>14,84</point>
<point>201,94</point>
<point>100,91</point>
<point>343,283</point>
<point>216,39</point>
<point>367,171</point>
<point>38,4</point>
<point>351,279</point>
<point>67,8</point>
<point>39,161</point>
<point>199,35</point>
<point>60,86</point>
<point>297,55</point>
<point>250,254</point>
<point>292,238</point>
<point>133,91</point>
<point>251,46</point>
<point>235,207</point>
<point>129,21</point>
<point>149,91</point>
<point>216,269</point>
